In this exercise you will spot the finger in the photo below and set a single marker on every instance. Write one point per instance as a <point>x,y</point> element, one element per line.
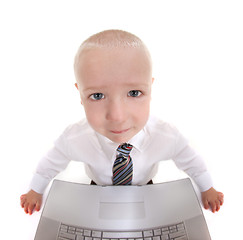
<point>22,202</point>
<point>221,201</point>
<point>26,205</point>
<point>31,208</point>
<point>221,198</point>
<point>221,194</point>
<point>22,196</point>
<point>213,206</point>
<point>38,206</point>
<point>217,205</point>
<point>205,204</point>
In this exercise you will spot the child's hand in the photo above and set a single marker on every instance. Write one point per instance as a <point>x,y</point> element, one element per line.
<point>212,199</point>
<point>31,201</point>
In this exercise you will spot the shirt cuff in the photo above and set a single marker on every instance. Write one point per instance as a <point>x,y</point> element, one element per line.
<point>39,183</point>
<point>204,181</point>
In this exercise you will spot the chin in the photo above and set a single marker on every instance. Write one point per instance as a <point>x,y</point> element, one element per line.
<point>119,139</point>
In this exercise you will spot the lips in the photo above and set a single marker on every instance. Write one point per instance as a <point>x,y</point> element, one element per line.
<point>120,131</point>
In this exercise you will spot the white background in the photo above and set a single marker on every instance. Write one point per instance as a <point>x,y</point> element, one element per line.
<point>197,52</point>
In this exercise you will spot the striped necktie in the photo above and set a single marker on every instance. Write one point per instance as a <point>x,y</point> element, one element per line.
<point>123,167</point>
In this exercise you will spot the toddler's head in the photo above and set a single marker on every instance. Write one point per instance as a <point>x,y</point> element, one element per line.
<point>113,70</point>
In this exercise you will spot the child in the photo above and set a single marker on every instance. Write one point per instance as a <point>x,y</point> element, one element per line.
<point>114,78</point>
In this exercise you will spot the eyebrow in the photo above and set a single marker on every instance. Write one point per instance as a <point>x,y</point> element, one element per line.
<point>133,86</point>
<point>92,89</point>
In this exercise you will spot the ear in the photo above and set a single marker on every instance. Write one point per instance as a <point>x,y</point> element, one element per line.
<point>76,85</point>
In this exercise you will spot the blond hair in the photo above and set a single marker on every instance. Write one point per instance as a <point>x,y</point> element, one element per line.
<point>111,39</point>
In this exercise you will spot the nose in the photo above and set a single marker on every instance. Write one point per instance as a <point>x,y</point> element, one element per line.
<point>116,111</point>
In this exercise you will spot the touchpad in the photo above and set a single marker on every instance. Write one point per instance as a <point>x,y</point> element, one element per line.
<point>121,210</point>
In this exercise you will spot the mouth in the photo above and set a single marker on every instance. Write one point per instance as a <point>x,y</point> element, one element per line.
<point>120,131</point>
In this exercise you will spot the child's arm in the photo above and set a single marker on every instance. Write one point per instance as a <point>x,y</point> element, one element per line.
<point>188,160</point>
<point>55,161</point>
<point>212,199</point>
<point>31,201</point>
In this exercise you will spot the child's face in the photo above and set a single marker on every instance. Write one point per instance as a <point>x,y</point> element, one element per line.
<point>115,90</point>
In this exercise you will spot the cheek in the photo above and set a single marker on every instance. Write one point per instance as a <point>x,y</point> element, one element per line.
<point>93,115</point>
<point>142,113</point>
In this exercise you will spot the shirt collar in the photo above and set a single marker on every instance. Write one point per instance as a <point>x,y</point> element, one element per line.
<point>138,140</point>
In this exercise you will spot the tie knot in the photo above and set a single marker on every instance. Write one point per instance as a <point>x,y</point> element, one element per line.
<point>124,149</point>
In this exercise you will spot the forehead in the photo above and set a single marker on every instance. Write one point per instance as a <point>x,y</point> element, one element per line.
<point>113,65</point>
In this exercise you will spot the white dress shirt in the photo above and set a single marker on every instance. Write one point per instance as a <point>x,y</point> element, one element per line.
<point>157,141</point>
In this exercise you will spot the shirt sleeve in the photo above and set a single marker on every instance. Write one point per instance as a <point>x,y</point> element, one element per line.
<point>188,160</point>
<point>55,161</point>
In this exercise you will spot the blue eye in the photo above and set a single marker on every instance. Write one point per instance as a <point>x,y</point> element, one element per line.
<point>134,93</point>
<point>97,96</point>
